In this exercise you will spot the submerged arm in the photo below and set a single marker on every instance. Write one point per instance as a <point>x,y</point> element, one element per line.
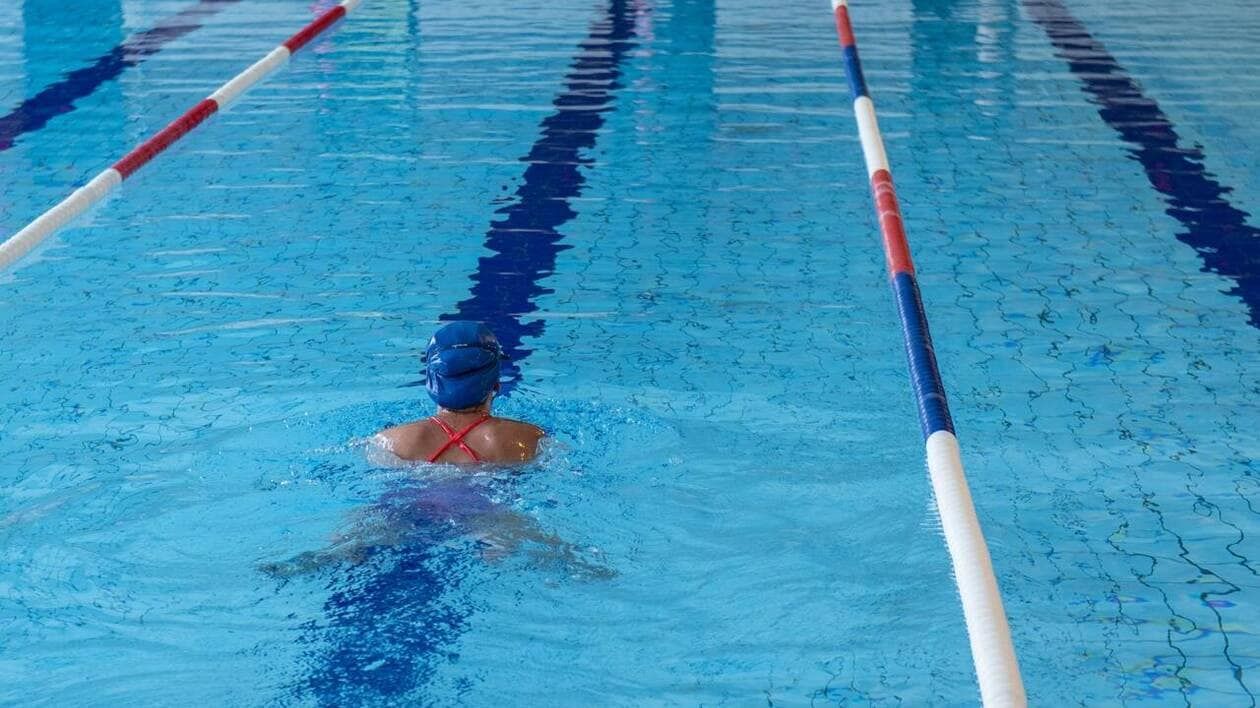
<point>428,516</point>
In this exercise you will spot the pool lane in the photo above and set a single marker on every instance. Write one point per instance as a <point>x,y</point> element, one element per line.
<point>527,240</point>
<point>1216,229</point>
<point>391,622</point>
<point>58,98</point>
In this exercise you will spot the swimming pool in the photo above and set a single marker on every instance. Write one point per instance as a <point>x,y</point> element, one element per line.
<point>700,313</point>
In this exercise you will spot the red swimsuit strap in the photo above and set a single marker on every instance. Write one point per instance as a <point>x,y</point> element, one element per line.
<point>457,438</point>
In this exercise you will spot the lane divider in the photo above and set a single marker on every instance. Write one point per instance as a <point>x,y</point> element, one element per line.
<point>992,650</point>
<point>20,243</point>
<point>58,98</point>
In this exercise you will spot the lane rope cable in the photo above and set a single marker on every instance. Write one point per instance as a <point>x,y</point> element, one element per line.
<point>992,651</point>
<point>20,243</point>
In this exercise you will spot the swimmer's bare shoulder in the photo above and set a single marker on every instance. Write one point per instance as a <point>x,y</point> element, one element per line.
<point>508,440</point>
<point>409,440</point>
<point>500,440</point>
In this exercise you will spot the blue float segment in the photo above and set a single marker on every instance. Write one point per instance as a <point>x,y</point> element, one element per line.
<point>924,376</point>
<point>853,70</point>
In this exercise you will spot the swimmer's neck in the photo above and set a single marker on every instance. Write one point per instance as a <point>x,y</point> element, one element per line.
<point>464,413</point>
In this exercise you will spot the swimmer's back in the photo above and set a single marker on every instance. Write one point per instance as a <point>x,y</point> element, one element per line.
<point>496,440</point>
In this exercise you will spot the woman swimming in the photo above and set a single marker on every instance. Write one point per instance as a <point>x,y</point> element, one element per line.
<point>415,516</point>
<point>462,375</point>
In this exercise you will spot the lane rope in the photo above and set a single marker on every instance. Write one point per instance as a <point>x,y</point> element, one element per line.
<point>992,651</point>
<point>20,243</point>
<point>58,98</point>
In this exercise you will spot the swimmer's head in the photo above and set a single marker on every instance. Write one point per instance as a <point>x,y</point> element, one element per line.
<point>462,365</point>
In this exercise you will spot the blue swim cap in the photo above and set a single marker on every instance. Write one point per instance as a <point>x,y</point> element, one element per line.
<point>462,364</point>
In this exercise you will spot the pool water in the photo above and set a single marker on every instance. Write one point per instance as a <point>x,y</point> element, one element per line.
<point>660,206</point>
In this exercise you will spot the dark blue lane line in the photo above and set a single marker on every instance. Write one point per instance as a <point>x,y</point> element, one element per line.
<point>526,241</point>
<point>58,98</point>
<point>1214,228</point>
<point>392,621</point>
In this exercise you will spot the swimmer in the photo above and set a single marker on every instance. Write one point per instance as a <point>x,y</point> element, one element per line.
<point>462,375</point>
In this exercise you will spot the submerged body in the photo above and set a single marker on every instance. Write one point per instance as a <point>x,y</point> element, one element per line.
<point>413,518</point>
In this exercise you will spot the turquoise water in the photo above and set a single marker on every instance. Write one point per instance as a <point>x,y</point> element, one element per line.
<point>688,273</point>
